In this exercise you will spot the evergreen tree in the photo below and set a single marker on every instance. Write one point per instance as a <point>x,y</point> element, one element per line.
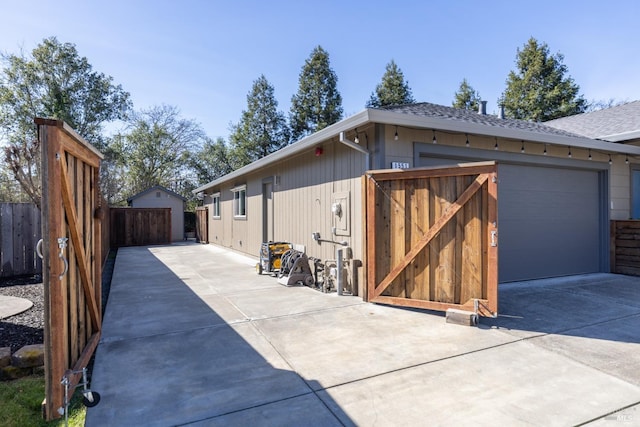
<point>540,90</point>
<point>466,97</point>
<point>318,103</point>
<point>262,128</point>
<point>55,81</point>
<point>392,90</point>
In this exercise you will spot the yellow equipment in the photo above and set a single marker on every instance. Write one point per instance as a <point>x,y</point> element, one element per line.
<point>270,256</point>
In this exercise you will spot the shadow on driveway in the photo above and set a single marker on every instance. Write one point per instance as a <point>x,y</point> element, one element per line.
<point>167,358</point>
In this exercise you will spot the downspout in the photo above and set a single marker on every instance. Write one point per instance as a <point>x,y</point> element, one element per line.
<point>339,251</point>
<point>367,153</point>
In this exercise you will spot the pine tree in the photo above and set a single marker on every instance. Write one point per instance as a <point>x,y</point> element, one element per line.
<point>262,128</point>
<point>466,97</point>
<point>392,90</point>
<point>540,90</point>
<point>318,103</point>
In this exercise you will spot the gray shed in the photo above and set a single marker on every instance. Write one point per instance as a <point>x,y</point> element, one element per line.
<point>161,197</point>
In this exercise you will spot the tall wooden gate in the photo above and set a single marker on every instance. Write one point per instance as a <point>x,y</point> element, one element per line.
<point>431,237</point>
<point>72,262</point>
<point>202,224</point>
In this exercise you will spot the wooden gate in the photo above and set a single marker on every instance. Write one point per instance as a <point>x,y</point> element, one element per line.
<point>431,237</point>
<point>140,226</point>
<point>202,224</point>
<point>71,232</point>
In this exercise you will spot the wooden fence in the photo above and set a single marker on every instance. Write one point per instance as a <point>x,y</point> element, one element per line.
<point>20,230</point>
<point>625,247</point>
<point>431,237</point>
<point>140,226</point>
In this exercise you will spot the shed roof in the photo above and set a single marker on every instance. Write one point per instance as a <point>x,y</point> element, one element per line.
<point>619,123</point>
<point>439,118</point>
<point>156,188</point>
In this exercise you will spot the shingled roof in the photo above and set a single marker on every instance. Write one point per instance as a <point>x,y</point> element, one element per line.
<point>426,109</point>
<point>614,124</point>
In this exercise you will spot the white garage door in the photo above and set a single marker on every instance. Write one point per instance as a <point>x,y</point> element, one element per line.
<point>549,221</point>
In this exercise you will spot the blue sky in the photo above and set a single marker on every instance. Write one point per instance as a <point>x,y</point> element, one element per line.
<point>203,56</point>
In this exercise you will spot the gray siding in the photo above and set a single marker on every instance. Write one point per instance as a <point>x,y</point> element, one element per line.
<point>303,191</point>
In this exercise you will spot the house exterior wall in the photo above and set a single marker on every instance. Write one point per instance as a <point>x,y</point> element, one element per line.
<point>305,185</point>
<point>304,188</point>
<point>166,200</point>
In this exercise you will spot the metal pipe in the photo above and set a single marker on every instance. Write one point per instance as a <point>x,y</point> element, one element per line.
<point>340,272</point>
<point>357,147</point>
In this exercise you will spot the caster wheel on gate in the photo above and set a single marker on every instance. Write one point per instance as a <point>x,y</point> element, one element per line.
<point>91,403</point>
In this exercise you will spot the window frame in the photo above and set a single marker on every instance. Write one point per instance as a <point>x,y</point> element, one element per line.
<point>215,203</point>
<point>239,202</point>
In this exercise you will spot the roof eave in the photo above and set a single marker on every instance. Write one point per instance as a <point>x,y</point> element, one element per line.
<point>295,148</point>
<point>624,136</point>
<point>424,122</point>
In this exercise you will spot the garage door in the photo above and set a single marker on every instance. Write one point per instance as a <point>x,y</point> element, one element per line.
<point>549,221</point>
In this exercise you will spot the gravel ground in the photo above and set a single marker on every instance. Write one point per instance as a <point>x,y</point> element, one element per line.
<point>24,328</point>
<point>27,327</point>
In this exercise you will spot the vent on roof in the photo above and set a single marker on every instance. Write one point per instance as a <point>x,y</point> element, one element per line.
<point>501,112</point>
<point>482,108</point>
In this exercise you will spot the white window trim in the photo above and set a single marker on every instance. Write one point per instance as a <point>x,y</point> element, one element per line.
<point>215,196</point>
<point>235,190</point>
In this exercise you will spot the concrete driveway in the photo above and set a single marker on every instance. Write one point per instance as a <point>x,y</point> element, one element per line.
<point>193,336</point>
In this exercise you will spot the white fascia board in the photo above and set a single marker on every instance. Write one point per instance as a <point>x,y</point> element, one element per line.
<point>435,123</point>
<point>293,149</point>
<point>625,136</point>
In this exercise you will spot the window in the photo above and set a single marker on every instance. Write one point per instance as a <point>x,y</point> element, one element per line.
<point>240,201</point>
<point>216,205</point>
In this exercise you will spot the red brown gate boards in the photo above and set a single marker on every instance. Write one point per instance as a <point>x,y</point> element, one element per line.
<point>431,237</point>
<point>71,268</point>
<point>202,224</point>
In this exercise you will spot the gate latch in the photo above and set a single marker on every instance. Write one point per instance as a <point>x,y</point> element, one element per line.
<point>62,244</point>
<point>494,240</point>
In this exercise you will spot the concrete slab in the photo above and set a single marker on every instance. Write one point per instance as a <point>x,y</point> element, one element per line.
<point>184,377</point>
<point>515,384</point>
<point>147,298</point>
<point>284,301</point>
<point>338,346</point>
<point>192,335</point>
<point>10,306</point>
<point>213,270</point>
<point>307,410</point>
<point>612,347</point>
<point>533,308</point>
